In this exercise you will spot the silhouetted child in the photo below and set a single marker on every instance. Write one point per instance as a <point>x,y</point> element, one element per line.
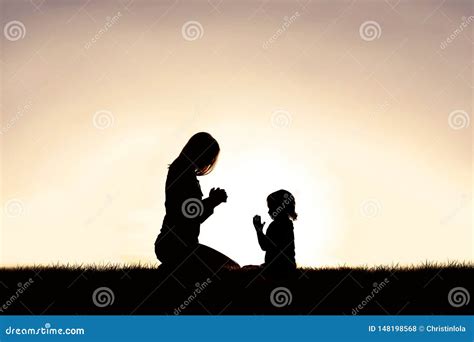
<point>279,240</point>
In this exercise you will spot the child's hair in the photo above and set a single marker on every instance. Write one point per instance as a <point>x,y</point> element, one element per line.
<point>282,202</point>
<point>202,151</point>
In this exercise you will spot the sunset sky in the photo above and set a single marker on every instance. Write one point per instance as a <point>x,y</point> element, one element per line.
<point>362,109</point>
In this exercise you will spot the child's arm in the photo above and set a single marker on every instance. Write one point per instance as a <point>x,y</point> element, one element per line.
<point>262,238</point>
<point>263,241</point>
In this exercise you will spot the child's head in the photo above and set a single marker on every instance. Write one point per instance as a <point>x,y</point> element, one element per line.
<point>280,203</point>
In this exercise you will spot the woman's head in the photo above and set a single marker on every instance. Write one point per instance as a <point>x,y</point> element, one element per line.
<point>281,203</point>
<point>201,151</point>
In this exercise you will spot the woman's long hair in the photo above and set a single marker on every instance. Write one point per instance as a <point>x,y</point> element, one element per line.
<point>201,151</point>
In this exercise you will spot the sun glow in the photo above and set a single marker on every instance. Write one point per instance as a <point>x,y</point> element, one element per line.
<point>87,132</point>
<point>263,172</point>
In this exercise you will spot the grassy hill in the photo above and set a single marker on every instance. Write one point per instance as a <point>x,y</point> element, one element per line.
<point>426,289</point>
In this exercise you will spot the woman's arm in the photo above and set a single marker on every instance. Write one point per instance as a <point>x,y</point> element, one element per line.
<point>184,197</point>
<point>208,209</point>
<point>216,197</point>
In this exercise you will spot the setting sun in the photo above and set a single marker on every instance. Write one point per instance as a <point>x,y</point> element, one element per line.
<point>366,122</point>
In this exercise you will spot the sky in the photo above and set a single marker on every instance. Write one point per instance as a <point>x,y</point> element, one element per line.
<point>361,109</point>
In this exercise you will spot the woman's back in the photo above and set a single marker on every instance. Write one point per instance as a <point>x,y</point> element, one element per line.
<point>180,230</point>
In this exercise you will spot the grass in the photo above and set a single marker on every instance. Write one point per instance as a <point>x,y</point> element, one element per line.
<point>145,289</point>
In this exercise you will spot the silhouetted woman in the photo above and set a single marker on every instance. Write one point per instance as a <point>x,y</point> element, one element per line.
<point>177,245</point>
